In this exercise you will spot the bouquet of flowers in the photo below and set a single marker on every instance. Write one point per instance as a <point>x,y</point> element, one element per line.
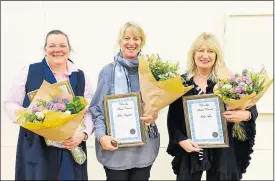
<point>162,70</point>
<point>242,91</point>
<point>55,115</point>
<point>160,82</point>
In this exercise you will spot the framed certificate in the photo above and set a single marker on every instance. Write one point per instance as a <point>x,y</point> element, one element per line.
<point>122,115</point>
<point>205,124</point>
<point>64,85</point>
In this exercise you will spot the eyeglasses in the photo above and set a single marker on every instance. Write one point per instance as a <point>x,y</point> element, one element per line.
<point>55,46</point>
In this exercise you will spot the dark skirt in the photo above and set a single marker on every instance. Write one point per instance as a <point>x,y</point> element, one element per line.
<point>227,163</point>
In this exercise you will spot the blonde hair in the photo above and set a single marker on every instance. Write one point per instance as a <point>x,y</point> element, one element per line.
<point>136,29</point>
<point>212,43</point>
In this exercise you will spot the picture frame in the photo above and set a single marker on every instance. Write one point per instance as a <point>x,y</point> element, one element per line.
<point>205,124</point>
<point>122,116</point>
<point>64,85</point>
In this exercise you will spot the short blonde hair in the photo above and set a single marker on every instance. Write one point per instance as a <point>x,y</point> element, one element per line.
<point>212,43</point>
<point>136,29</point>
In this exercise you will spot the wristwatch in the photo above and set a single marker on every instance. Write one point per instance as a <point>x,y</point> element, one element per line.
<point>86,136</point>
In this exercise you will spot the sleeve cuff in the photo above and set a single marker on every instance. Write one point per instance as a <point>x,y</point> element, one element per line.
<point>180,137</point>
<point>86,138</point>
<point>99,135</point>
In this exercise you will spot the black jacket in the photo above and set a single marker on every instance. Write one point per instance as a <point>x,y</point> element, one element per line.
<point>229,163</point>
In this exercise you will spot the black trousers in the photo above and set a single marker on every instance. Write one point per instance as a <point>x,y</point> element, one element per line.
<point>129,174</point>
<point>197,176</point>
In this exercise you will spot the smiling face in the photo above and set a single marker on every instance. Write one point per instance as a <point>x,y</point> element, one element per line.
<point>57,49</point>
<point>204,57</point>
<point>130,43</point>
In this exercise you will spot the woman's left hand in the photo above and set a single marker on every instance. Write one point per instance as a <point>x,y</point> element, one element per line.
<point>149,118</point>
<point>236,116</point>
<point>74,141</point>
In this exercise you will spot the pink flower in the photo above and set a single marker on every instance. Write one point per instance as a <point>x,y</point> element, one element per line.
<point>61,106</point>
<point>248,82</point>
<point>35,109</point>
<point>55,107</point>
<point>242,89</point>
<point>238,89</point>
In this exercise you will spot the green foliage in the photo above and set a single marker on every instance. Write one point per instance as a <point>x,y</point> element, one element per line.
<point>75,106</point>
<point>30,117</point>
<point>239,132</point>
<point>162,70</point>
<point>258,80</point>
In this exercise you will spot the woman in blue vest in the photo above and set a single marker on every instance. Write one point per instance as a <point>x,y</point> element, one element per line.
<point>129,163</point>
<point>34,159</point>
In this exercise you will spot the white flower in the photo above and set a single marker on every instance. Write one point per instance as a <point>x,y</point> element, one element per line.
<point>242,84</point>
<point>227,86</point>
<point>68,112</point>
<point>39,115</point>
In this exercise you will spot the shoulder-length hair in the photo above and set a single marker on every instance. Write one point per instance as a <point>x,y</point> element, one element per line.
<point>212,43</point>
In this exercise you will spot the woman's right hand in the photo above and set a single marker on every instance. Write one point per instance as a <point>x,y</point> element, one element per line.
<point>189,146</point>
<point>105,142</point>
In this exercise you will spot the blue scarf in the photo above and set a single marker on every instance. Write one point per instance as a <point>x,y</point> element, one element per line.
<point>122,83</point>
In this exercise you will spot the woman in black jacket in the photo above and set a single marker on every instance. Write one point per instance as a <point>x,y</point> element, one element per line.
<point>205,58</point>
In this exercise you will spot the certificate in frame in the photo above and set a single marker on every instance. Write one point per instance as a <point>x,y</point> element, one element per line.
<point>64,85</point>
<point>205,124</point>
<point>122,116</point>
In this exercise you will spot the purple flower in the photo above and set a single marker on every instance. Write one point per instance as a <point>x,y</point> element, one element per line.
<point>238,80</point>
<point>66,101</point>
<point>55,100</point>
<point>244,72</point>
<point>245,78</point>
<point>49,105</point>
<point>232,78</point>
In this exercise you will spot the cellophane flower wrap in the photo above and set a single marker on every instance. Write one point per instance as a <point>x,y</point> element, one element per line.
<point>242,91</point>
<point>160,82</point>
<point>56,116</point>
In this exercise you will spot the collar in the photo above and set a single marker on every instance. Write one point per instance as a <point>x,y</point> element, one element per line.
<point>70,68</point>
<point>210,83</point>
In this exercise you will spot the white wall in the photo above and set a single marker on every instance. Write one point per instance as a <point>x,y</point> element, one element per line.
<point>93,28</point>
<point>248,43</point>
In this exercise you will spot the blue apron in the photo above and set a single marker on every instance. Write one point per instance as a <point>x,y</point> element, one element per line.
<point>34,159</point>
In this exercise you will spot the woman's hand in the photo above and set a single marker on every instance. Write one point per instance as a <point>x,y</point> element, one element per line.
<point>189,146</point>
<point>237,116</point>
<point>149,118</point>
<point>106,143</point>
<point>74,141</point>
